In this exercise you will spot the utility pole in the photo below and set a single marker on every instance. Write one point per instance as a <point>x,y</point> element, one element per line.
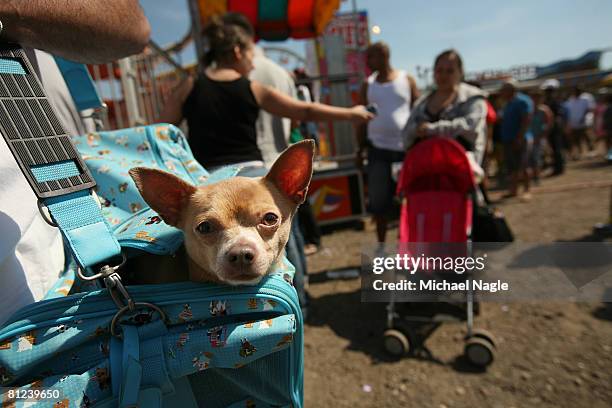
<point>360,68</point>
<point>196,30</point>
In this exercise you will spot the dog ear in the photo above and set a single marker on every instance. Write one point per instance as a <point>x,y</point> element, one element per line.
<point>292,171</point>
<point>164,192</point>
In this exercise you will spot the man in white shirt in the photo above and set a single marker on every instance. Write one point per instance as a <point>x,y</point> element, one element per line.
<point>89,31</point>
<point>580,107</point>
<point>393,92</point>
<point>272,131</point>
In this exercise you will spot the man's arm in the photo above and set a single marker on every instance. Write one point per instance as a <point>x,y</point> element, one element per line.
<point>414,91</point>
<point>525,122</point>
<point>88,31</point>
<point>527,109</point>
<point>548,120</point>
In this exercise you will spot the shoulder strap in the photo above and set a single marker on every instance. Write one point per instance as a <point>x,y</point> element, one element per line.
<point>60,179</point>
<point>79,82</point>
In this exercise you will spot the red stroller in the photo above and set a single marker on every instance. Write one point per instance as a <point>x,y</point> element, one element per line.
<point>436,183</point>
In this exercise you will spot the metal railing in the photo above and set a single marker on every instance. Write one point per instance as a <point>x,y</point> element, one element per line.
<point>136,88</point>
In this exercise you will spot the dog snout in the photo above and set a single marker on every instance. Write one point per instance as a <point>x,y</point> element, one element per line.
<point>241,255</point>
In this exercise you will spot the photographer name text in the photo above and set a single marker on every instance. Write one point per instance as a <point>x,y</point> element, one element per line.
<point>433,285</point>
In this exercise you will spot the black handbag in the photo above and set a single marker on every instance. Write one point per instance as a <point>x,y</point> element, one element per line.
<point>490,226</point>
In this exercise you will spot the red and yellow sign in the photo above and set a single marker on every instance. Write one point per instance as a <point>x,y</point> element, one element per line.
<point>330,198</point>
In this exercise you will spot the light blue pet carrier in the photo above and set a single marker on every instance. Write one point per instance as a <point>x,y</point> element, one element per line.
<point>95,342</point>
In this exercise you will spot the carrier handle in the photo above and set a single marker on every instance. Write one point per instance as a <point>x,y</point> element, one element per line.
<point>83,90</point>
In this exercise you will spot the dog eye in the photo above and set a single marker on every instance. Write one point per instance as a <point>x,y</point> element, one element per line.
<point>205,228</point>
<point>270,219</point>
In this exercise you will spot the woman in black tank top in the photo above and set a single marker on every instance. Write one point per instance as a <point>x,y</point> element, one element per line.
<point>221,106</point>
<point>221,116</point>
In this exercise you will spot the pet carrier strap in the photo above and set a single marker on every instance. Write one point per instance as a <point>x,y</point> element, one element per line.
<point>131,368</point>
<point>83,90</point>
<point>48,159</point>
<point>81,86</point>
<point>130,394</point>
<point>84,228</point>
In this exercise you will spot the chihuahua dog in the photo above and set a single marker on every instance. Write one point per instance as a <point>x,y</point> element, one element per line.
<point>235,230</point>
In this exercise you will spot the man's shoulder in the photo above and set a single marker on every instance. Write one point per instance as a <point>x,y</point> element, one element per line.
<point>522,97</point>
<point>525,100</point>
<point>268,72</point>
<point>263,63</point>
<point>513,103</point>
<point>572,102</point>
<point>407,75</point>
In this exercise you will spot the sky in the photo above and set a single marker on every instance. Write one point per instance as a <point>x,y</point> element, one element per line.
<point>488,34</point>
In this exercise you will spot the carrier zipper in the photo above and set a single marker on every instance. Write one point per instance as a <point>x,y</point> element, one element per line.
<point>102,297</point>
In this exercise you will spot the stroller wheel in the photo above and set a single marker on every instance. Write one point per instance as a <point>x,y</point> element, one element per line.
<point>479,351</point>
<point>485,335</point>
<point>396,342</point>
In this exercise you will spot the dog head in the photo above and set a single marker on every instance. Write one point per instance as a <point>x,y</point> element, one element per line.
<point>235,230</point>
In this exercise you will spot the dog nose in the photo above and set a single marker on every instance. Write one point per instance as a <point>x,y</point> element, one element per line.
<point>241,256</point>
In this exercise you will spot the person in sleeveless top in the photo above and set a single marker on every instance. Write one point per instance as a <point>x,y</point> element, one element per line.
<point>392,92</point>
<point>222,105</point>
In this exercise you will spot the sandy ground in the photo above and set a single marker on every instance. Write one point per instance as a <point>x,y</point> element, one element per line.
<point>548,354</point>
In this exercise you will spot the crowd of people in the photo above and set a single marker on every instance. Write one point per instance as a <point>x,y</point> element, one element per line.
<point>553,128</point>
<point>509,133</point>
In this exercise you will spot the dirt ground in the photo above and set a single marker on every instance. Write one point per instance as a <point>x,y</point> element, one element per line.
<point>548,354</point>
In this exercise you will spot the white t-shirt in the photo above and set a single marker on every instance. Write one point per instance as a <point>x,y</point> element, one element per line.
<point>273,132</point>
<point>392,101</point>
<point>577,109</point>
<point>31,252</point>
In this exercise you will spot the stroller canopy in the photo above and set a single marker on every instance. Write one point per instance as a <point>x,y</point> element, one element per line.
<point>438,164</point>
